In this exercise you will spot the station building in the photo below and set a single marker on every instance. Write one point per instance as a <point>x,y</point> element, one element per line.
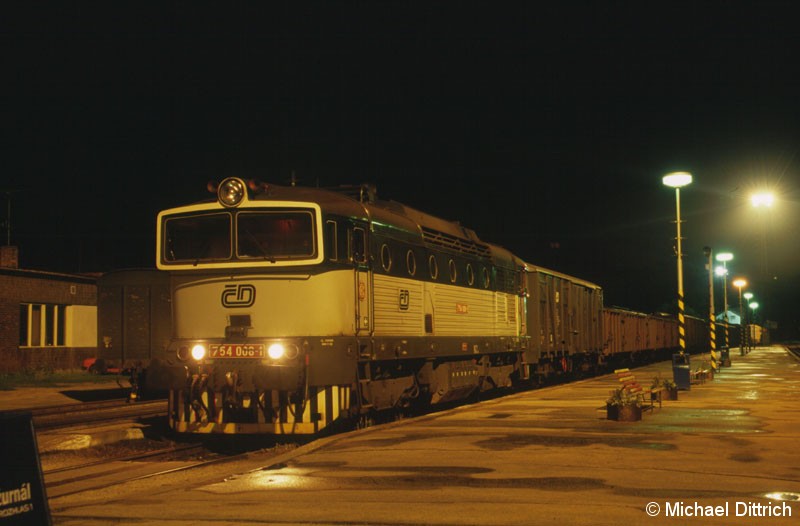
<point>48,320</point>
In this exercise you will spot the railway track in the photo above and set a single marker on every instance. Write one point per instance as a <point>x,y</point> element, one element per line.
<point>103,473</point>
<point>794,348</point>
<point>54,417</point>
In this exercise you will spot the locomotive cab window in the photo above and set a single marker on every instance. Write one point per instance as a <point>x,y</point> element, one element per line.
<point>331,244</point>
<point>358,245</point>
<point>274,235</point>
<point>197,238</point>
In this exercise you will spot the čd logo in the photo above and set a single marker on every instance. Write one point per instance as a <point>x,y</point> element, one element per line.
<point>237,296</point>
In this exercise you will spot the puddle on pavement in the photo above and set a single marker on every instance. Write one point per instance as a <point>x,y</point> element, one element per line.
<point>509,442</point>
<point>301,478</point>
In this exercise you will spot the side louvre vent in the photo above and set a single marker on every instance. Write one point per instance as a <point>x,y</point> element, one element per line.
<point>464,246</point>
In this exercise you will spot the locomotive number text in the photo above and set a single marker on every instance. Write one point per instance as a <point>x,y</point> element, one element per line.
<point>237,351</point>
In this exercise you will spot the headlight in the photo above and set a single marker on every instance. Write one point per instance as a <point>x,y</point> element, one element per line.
<point>276,351</point>
<point>231,192</point>
<point>199,351</point>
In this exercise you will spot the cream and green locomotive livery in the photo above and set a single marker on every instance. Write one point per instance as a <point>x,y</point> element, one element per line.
<point>294,308</point>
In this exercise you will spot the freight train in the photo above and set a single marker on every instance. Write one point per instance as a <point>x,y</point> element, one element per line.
<point>294,309</point>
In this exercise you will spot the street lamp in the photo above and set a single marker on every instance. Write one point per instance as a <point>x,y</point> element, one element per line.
<point>712,327</point>
<point>739,284</point>
<point>748,331</point>
<point>724,257</point>
<point>677,180</point>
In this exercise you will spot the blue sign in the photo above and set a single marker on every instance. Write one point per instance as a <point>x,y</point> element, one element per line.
<point>23,499</point>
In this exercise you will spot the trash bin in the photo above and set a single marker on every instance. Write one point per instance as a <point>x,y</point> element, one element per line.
<point>725,358</point>
<point>681,369</point>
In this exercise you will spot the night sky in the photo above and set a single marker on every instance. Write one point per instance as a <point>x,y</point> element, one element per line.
<point>544,128</point>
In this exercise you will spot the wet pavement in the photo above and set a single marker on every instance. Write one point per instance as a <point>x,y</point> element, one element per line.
<point>542,457</point>
<point>22,398</point>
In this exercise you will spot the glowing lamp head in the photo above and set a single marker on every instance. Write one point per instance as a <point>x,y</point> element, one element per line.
<point>724,257</point>
<point>764,199</point>
<point>276,351</point>
<point>677,179</point>
<point>739,283</point>
<point>199,351</point>
<point>720,271</point>
<point>748,295</point>
<point>231,192</point>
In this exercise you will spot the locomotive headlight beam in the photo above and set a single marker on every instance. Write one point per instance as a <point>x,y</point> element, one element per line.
<point>276,351</point>
<point>199,351</point>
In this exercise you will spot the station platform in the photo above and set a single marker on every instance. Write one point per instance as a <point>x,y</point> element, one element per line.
<point>24,398</point>
<point>724,453</point>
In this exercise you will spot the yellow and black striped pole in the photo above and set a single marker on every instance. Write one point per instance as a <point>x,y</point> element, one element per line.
<point>676,180</point>
<point>712,328</point>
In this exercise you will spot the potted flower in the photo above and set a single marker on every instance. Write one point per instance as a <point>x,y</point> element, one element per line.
<point>623,406</point>
<point>670,388</point>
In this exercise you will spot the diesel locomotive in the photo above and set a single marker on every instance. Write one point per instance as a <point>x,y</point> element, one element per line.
<point>296,308</point>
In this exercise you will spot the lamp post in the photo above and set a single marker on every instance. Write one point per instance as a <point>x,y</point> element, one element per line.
<point>739,284</point>
<point>677,180</point>
<point>748,344</point>
<point>753,307</point>
<point>724,257</point>
<point>712,327</point>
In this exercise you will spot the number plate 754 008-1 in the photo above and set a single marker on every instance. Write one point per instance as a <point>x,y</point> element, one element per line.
<point>227,350</point>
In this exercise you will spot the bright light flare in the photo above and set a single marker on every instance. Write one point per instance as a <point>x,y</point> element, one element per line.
<point>724,256</point>
<point>677,179</point>
<point>720,271</point>
<point>739,283</point>
<point>276,351</point>
<point>754,305</point>
<point>199,351</point>
<point>748,295</point>
<point>763,199</point>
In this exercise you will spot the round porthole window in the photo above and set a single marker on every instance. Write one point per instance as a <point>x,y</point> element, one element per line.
<point>486,279</point>
<point>453,272</point>
<point>386,257</point>
<point>470,274</point>
<point>411,263</point>
<point>433,267</point>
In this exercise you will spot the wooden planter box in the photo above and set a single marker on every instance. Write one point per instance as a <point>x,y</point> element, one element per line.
<point>623,413</point>
<point>670,394</point>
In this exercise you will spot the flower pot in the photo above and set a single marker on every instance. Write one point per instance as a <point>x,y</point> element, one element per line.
<point>671,394</point>
<point>623,413</point>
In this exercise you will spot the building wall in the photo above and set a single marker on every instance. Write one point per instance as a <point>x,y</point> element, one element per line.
<point>77,295</point>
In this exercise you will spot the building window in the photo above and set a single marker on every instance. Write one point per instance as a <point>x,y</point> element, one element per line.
<point>42,325</point>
